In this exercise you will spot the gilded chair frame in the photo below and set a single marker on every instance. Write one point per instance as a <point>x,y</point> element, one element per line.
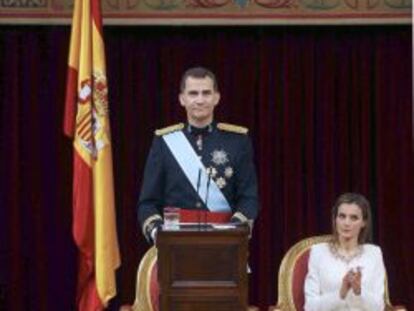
<point>285,279</point>
<point>142,292</point>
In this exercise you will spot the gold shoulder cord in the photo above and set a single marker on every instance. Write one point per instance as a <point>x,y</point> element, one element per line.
<point>169,129</point>
<point>232,128</point>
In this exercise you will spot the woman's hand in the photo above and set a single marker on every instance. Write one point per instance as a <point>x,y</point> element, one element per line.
<point>346,284</point>
<point>356,281</point>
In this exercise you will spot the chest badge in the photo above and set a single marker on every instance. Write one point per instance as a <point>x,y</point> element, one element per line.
<point>219,157</point>
<point>228,172</point>
<point>211,171</point>
<point>221,182</point>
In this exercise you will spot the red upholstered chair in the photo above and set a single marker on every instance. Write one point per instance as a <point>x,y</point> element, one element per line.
<point>147,290</point>
<point>292,273</point>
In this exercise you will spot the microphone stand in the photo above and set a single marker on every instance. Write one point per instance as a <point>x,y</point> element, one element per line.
<point>206,198</point>
<point>198,195</point>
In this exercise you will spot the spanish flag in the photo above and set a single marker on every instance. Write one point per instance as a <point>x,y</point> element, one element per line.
<point>87,123</point>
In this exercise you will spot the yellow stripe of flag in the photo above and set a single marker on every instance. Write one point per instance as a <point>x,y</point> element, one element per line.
<point>87,58</point>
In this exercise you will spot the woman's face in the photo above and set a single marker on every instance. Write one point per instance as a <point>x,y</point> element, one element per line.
<point>349,222</point>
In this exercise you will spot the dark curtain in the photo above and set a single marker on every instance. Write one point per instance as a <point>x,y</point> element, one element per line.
<point>329,110</point>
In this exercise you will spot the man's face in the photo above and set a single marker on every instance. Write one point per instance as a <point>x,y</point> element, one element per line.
<point>199,100</point>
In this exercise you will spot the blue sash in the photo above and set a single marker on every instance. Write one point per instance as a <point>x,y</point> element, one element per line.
<point>192,166</point>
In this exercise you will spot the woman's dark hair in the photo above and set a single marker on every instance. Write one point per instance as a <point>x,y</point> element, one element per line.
<point>358,199</point>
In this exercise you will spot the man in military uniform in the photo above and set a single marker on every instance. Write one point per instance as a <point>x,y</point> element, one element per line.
<point>202,167</point>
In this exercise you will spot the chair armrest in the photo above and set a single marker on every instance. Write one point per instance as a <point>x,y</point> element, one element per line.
<point>275,308</point>
<point>398,308</point>
<point>252,308</point>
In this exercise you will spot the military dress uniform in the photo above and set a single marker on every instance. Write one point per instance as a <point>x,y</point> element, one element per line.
<point>225,150</point>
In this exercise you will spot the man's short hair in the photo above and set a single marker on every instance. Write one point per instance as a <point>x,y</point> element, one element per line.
<point>198,73</point>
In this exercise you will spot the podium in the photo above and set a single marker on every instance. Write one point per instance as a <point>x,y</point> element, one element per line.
<point>203,268</point>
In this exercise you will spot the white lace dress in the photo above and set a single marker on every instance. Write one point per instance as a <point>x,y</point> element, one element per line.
<point>324,279</point>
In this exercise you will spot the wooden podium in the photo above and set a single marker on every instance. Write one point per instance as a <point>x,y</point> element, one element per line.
<point>203,268</point>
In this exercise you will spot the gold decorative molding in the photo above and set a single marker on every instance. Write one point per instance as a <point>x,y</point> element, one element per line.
<point>216,12</point>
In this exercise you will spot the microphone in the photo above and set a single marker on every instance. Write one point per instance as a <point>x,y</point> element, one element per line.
<point>198,195</point>
<point>198,181</point>
<point>207,192</point>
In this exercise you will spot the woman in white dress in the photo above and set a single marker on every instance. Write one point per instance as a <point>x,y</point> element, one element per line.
<point>346,273</point>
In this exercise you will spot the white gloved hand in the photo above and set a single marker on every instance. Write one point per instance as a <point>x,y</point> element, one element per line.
<point>154,235</point>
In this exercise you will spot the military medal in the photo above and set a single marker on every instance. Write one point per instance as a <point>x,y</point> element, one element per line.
<point>221,182</point>
<point>228,172</point>
<point>199,142</point>
<point>219,157</point>
<point>211,171</point>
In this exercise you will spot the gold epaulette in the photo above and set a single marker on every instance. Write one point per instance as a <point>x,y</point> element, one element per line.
<point>169,129</point>
<point>232,128</point>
